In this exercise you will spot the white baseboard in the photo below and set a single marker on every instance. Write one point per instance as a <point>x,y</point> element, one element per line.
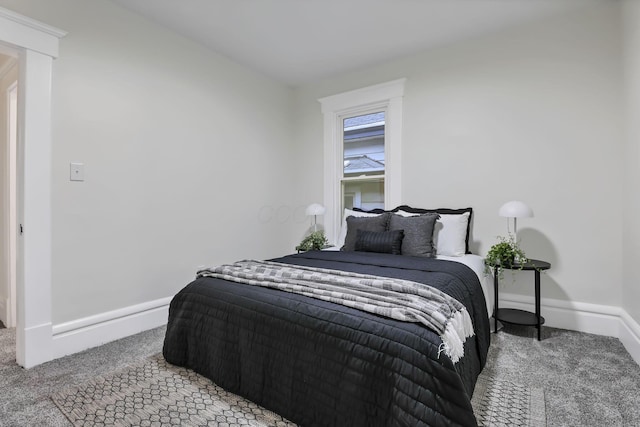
<point>81,334</point>
<point>630,335</point>
<point>78,335</point>
<point>36,345</point>
<point>583,317</point>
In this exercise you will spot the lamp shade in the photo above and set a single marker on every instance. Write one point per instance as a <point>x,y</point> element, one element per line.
<point>515,209</point>
<point>315,209</point>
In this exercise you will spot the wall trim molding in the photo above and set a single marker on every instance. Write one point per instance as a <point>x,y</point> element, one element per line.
<point>583,317</point>
<point>22,31</point>
<point>36,45</point>
<point>629,335</point>
<point>31,23</point>
<point>88,332</point>
<point>92,331</point>
<point>384,96</point>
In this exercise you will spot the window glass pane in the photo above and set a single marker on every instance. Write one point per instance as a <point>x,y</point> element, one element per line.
<point>365,194</point>
<point>363,142</point>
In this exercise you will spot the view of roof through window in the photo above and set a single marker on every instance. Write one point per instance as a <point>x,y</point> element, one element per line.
<point>365,121</point>
<point>364,144</point>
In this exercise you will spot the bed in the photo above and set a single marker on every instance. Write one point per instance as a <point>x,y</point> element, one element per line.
<point>319,363</point>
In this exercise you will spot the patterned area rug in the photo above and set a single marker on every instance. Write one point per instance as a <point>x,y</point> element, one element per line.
<point>503,403</point>
<point>160,394</point>
<point>157,393</point>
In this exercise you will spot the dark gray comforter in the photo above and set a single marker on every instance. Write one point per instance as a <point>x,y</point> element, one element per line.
<point>322,364</point>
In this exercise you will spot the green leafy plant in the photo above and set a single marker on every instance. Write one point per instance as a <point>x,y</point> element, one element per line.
<point>504,254</point>
<point>313,242</point>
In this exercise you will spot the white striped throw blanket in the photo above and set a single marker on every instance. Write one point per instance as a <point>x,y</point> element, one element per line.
<point>394,298</point>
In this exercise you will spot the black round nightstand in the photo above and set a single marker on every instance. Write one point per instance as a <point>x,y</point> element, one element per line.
<point>515,316</point>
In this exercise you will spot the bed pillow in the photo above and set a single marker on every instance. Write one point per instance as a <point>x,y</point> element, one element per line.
<point>386,242</point>
<point>466,212</point>
<point>343,228</point>
<point>418,233</point>
<point>450,234</point>
<point>419,211</point>
<point>376,223</point>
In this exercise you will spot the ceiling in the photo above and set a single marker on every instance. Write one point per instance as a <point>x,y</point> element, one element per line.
<point>299,41</point>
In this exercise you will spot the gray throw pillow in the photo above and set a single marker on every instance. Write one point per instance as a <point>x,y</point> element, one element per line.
<point>418,233</point>
<point>355,223</point>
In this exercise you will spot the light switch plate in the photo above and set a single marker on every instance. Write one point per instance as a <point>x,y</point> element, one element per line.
<point>76,172</point>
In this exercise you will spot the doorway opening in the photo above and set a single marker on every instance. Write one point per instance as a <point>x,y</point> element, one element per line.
<point>12,96</point>
<point>8,186</point>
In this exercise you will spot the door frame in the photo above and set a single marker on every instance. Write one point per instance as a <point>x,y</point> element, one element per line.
<point>36,45</point>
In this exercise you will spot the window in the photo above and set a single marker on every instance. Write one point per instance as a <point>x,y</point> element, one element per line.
<point>362,137</point>
<point>363,161</point>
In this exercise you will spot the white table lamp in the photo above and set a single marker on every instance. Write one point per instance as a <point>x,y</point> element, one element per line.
<point>314,210</point>
<point>515,209</point>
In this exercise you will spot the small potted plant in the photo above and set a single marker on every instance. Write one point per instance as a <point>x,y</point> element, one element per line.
<point>504,254</point>
<point>313,242</point>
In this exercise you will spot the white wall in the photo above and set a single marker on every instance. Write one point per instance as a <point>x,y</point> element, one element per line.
<point>183,151</point>
<point>631,206</point>
<point>531,113</point>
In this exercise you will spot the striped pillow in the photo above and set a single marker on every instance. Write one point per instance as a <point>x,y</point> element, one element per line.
<point>387,242</point>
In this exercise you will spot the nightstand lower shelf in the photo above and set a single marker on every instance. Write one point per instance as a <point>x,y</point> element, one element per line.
<point>518,317</point>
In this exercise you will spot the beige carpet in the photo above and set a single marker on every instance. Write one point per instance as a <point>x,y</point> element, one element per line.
<point>156,393</point>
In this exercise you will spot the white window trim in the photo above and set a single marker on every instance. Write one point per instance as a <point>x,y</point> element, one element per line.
<point>387,96</point>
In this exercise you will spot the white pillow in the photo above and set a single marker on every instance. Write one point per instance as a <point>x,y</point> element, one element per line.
<point>449,234</point>
<point>343,230</point>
